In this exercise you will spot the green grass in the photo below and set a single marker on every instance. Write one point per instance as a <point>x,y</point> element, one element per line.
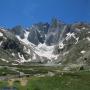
<point>68,81</point>
<point>37,69</point>
<point>5,71</point>
<point>3,84</point>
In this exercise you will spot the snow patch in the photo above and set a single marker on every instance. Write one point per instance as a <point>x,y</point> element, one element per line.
<point>61,45</point>
<point>83,28</point>
<point>13,54</point>
<point>34,57</point>
<point>14,64</point>
<point>88,38</point>
<point>45,51</point>
<point>4,60</point>
<point>88,31</point>
<point>77,39</point>
<point>22,59</point>
<point>25,40</point>
<point>27,50</point>
<point>1,34</point>
<point>69,35</point>
<point>82,52</point>
<point>65,53</point>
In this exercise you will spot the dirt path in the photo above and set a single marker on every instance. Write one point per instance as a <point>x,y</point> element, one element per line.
<point>23,81</point>
<point>10,82</point>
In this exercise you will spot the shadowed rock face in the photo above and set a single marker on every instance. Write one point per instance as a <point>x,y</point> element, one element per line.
<point>54,31</point>
<point>38,32</point>
<point>33,37</point>
<point>18,30</point>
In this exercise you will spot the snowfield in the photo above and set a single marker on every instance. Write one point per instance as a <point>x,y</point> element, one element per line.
<point>41,50</point>
<point>45,51</point>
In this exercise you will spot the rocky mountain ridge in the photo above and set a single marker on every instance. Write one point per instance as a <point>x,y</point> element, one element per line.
<point>43,43</point>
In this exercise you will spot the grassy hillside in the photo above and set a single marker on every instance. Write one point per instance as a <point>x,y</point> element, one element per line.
<point>64,81</point>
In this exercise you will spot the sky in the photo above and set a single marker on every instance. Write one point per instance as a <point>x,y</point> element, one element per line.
<point>28,12</point>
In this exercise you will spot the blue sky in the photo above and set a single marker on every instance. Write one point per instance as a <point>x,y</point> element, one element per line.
<point>27,12</point>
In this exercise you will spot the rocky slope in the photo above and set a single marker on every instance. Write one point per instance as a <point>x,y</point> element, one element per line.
<point>43,43</point>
